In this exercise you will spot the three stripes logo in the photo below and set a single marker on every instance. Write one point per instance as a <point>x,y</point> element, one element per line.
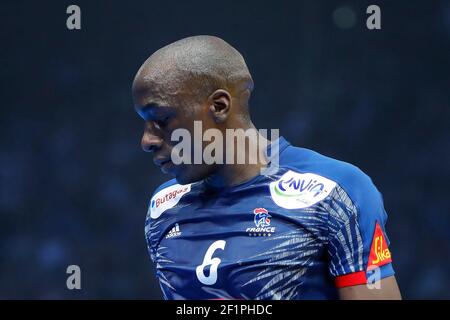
<point>174,232</point>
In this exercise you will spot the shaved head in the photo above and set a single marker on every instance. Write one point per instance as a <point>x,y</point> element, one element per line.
<point>207,62</point>
<point>199,79</point>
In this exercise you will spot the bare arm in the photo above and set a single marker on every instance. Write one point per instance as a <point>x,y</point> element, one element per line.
<point>386,289</point>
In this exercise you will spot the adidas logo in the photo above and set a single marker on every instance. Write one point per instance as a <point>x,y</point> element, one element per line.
<point>175,231</point>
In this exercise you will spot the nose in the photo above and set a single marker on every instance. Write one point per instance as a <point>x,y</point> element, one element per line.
<point>150,142</point>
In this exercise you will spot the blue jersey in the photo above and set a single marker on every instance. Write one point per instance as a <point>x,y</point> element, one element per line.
<point>312,225</point>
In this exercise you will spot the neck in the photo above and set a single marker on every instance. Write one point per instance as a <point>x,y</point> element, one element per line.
<point>255,160</point>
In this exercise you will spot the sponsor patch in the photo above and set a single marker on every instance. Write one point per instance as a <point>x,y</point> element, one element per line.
<point>300,190</point>
<point>167,198</point>
<point>379,251</point>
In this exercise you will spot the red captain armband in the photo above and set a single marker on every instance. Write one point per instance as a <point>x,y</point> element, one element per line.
<point>351,279</point>
<point>379,256</point>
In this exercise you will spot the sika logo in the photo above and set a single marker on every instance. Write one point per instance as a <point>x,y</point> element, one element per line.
<point>261,219</point>
<point>379,252</point>
<point>300,190</point>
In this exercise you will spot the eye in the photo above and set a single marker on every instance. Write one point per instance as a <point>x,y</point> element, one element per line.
<point>162,122</point>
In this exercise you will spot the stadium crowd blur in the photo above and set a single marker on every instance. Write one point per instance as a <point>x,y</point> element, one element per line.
<point>74,183</point>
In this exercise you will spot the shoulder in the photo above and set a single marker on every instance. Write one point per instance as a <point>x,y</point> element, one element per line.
<point>165,185</point>
<point>166,196</point>
<point>308,164</point>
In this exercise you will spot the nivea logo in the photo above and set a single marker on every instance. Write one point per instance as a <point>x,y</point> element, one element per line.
<point>296,186</point>
<point>300,190</point>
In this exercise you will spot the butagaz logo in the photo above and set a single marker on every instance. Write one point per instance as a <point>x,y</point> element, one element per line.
<point>167,198</point>
<point>300,190</point>
<point>174,232</point>
<point>262,222</point>
<point>379,252</point>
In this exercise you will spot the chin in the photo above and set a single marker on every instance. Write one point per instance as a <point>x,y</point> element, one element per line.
<point>188,177</point>
<point>185,180</point>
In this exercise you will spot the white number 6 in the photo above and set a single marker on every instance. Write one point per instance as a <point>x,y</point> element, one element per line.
<point>213,262</point>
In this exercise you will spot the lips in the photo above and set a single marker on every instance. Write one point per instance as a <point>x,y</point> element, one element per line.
<point>164,164</point>
<point>161,161</point>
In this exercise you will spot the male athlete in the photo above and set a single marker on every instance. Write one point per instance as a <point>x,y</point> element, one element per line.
<point>303,227</point>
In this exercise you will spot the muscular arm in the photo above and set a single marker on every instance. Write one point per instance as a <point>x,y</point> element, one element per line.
<point>388,290</point>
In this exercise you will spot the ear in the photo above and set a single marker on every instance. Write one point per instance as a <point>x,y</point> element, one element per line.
<point>220,105</point>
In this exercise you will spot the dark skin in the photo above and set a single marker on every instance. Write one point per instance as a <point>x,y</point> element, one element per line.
<point>163,112</point>
<point>388,291</point>
<point>167,103</point>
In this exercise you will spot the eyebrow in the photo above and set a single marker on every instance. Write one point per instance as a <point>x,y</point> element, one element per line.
<point>151,111</point>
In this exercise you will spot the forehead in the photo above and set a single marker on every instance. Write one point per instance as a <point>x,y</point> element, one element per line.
<point>147,92</point>
<point>159,88</point>
<point>151,101</point>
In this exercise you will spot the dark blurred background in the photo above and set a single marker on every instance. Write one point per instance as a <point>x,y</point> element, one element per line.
<point>74,183</point>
